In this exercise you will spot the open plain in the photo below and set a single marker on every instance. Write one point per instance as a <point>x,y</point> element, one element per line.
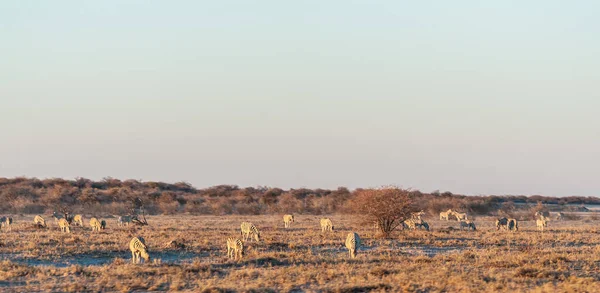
<point>188,253</point>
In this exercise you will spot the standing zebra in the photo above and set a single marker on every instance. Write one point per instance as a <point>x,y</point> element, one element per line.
<point>78,220</point>
<point>288,220</point>
<point>235,247</point>
<point>446,215</point>
<point>6,222</point>
<point>513,225</point>
<point>541,223</point>
<point>502,223</point>
<point>124,220</point>
<point>326,225</point>
<point>249,229</point>
<point>39,221</point>
<point>460,216</point>
<point>64,225</point>
<point>139,250</point>
<point>352,243</point>
<point>96,226</point>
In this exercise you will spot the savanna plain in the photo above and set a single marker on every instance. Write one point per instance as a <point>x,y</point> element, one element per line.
<point>188,253</point>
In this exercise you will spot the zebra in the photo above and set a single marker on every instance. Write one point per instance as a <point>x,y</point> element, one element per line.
<point>460,216</point>
<point>502,222</point>
<point>96,226</point>
<point>57,217</point>
<point>446,215</point>
<point>39,221</point>
<point>409,224</point>
<point>352,243</point>
<point>513,225</point>
<point>78,220</point>
<point>139,250</point>
<point>541,223</point>
<point>125,220</point>
<point>326,225</point>
<point>6,222</point>
<point>235,247</point>
<point>560,216</point>
<point>467,224</point>
<point>288,220</point>
<point>64,225</point>
<point>249,229</point>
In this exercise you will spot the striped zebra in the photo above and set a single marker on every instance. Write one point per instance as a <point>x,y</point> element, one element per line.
<point>64,225</point>
<point>513,225</point>
<point>467,224</point>
<point>39,221</point>
<point>139,250</point>
<point>95,224</point>
<point>541,223</point>
<point>57,217</point>
<point>417,215</point>
<point>78,220</point>
<point>125,220</point>
<point>249,229</point>
<point>460,216</point>
<point>560,216</point>
<point>502,223</point>
<point>288,220</point>
<point>326,225</point>
<point>235,247</point>
<point>6,222</point>
<point>352,243</point>
<point>446,215</point>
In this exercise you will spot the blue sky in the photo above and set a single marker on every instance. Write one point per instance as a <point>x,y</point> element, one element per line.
<point>469,96</point>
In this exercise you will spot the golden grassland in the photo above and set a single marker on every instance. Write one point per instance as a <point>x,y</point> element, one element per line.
<point>191,256</point>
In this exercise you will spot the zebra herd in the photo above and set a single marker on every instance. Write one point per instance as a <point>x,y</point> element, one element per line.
<point>64,222</point>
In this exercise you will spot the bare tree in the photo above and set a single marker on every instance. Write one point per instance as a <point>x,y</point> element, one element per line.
<point>138,205</point>
<point>387,207</point>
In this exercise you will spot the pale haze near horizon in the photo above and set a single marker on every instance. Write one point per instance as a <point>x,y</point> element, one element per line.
<point>471,97</point>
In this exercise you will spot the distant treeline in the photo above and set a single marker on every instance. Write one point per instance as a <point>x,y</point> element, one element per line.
<point>113,196</point>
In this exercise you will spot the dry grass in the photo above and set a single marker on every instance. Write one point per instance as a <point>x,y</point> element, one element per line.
<point>565,258</point>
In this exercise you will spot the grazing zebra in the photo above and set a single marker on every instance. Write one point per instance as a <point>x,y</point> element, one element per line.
<point>78,220</point>
<point>467,224</point>
<point>513,225</point>
<point>502,222</point>
<point>352,243</point>
<point>541,223</point>
<point>64,226</point>
<point>39,221</point>
<point>288,220</point>
<point>446,215</point>
<point>96,226</point>
<point>139,250</point>
<point>326,225</point>
<point>235,247</point>
<point>125,220</point>
<point>6,222</point>
<point>460,216</point>
<point>249,229</point>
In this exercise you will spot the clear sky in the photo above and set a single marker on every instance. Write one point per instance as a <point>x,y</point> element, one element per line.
<point>474,97</point>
